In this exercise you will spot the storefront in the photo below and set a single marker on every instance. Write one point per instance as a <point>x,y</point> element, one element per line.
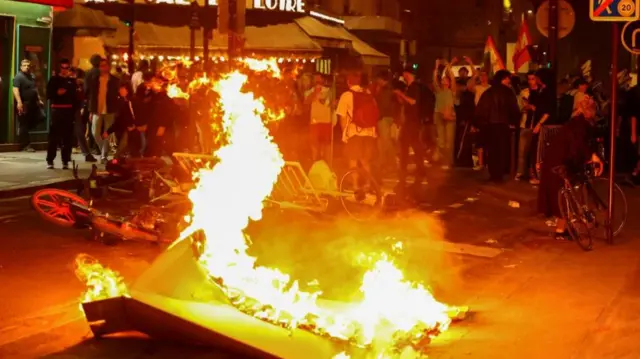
<point>25,33</point>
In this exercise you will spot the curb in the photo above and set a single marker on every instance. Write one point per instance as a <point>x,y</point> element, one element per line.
<point>28,190</point>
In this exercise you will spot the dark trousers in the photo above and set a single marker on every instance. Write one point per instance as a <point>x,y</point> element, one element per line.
<point>80,128</point>
<point>25,124</point>
<point>60,134</point>
<point>410,139</point>
<point>498,147</point>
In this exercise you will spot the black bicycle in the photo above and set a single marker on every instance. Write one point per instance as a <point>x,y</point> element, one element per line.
<point>584,204</point>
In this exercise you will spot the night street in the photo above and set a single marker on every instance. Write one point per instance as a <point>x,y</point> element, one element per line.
<point>524,289</point>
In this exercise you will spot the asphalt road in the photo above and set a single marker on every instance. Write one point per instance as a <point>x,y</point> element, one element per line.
<point>526,290</point>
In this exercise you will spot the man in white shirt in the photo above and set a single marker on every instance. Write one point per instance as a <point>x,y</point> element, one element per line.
<point>320,129</point>
<point>360,142</point>
<point>137,77</point>
<point>102,102</point>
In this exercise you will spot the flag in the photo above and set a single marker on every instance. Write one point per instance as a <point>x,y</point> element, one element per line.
<point>521,55</point>
<point>492,55</point>
<point>585,69</point>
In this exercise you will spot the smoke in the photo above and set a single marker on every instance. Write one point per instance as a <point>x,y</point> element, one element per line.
<point>336,252</point>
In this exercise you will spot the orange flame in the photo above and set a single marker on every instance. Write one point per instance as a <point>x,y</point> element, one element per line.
<point>101,282</point>
<point>393,312</point>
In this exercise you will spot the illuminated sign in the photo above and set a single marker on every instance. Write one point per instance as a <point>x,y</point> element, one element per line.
<point>273,5</point>
<point>282,5</point>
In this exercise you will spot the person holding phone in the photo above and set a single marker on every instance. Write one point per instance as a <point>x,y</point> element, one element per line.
<point>61,91</point>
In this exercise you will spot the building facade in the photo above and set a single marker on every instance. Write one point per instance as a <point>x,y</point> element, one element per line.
<point>25,33</point>
<point>378,22</point>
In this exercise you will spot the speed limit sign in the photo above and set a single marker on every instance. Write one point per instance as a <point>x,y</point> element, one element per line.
<point>626,8</point>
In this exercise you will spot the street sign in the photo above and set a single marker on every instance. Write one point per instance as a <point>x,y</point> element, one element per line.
<point>195,16</point>
<point>566,19</point>
<point>631,37</point>
<point>614,10</point>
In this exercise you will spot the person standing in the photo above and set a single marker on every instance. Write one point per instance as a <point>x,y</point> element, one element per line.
<point>497,111</point>
<point>102,97</point>
<point>445,114</point>
<point>61,92</point>
<point>28,104</point>
<point>138,77</point>
<point>410,130</point>
<point>480,84</point>
<point>464,118</point>
<point>321,124</point>
<point>124,123</point>
<point>359,116</point>
<point>385,100</point>
<point>529,101</point>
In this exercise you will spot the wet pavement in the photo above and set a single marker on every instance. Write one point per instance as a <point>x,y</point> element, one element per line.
<point>532,297</point>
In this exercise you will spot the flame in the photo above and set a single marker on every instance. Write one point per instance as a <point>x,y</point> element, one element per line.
<point>101,282</point>
<point>173,91</point>
<point>393,313</point>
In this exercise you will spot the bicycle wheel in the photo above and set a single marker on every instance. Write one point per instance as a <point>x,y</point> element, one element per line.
<point>577,223</point>
<point>599,203</point>
<point>360,195</point>
<point>53,205</point>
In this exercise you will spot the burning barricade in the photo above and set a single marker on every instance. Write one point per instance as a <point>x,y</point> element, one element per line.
<point>206,288</point>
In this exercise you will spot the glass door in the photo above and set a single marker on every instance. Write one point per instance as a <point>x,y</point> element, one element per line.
<point>6,53</point>
<point>33,45</point>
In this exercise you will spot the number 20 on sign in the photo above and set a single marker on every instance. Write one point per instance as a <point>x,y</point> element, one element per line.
<point>614,10</point>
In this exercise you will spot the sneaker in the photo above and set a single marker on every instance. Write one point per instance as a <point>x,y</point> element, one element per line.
<point>28,149</point>
<point>534,181</point>
<point>478,168</point>
<point>446,167</point>
<point>65,166</point>
<point>49,166</point>
<point>518,177</point>
<point>90,158</point>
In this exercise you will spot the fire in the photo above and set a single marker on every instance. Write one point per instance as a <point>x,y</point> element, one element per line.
<point>101,282</point>
<point>173,91</point>
<point>394,314</point>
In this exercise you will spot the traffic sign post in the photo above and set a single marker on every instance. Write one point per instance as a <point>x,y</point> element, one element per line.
<point>615,11</point>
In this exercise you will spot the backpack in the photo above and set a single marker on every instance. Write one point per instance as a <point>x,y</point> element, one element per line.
<point>365,110</point>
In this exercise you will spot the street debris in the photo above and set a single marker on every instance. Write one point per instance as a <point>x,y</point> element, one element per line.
<point>471,199</point>
<point>456,205</point>
<point>510,266</point>
<point>551,222</point>
<point>491,241</point>
<point>514,204</point>
<point>439,211</point>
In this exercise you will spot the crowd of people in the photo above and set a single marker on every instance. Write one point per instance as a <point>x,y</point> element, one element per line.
<point>468,119</point>
<point>100,112</point>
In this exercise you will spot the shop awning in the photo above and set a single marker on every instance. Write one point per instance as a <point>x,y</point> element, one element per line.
<point>55,3</point>
<point>80,17</point>
<point>336,36</point>
<point>275,40</point>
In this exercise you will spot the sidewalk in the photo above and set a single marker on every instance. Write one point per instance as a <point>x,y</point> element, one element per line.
<point>21,173</point>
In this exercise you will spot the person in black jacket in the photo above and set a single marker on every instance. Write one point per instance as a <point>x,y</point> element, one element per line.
<point>123,127</point>
<point>159,132</point>
<point>61,91</point>
<point>101,95</point>
<point>497,111</point>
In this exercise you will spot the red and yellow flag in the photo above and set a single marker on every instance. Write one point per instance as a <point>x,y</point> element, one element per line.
<point>521,55</point>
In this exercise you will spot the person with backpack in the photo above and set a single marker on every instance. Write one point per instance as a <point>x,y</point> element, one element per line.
<point>358,113</point>
<point>410,130</point>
